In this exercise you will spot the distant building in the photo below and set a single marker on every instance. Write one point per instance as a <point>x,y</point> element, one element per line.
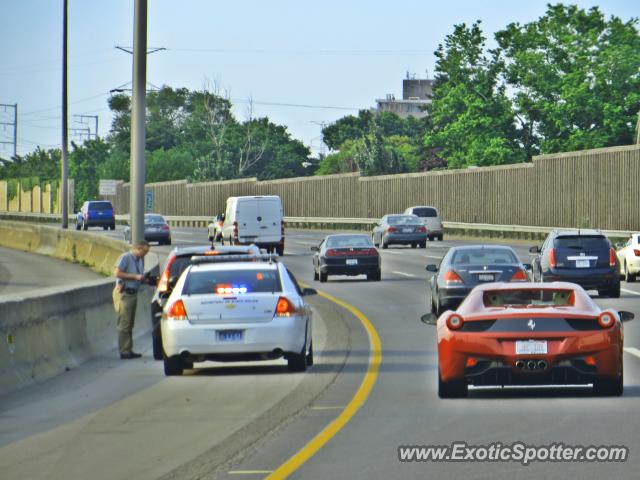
<point>416,95</point>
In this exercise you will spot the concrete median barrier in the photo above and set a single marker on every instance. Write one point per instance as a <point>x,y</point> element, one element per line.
<point>45,332</point>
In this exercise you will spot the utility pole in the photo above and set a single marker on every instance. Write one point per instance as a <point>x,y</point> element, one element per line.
<point>138,111</point>
<point>14,125</point>
<point>64,189</point>
<point>82,118</point>
<point>322,125</point>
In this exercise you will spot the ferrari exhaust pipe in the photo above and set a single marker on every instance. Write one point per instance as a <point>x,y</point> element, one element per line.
<point>542,365</point>
<point>531,365</point>
<point>520,364</point>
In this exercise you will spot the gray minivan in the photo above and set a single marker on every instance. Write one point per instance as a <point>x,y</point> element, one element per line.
<point>430,216</point>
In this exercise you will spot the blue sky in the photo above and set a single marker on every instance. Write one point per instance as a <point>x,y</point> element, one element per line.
<point>330,54</point>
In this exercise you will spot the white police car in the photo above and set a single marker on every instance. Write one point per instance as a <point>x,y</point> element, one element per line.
<point>248,307</point>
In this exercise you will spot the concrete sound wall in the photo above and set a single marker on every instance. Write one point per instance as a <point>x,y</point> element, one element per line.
<point>45,332</point>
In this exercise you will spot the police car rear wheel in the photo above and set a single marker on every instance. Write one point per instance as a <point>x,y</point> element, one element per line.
<point>173,366</point>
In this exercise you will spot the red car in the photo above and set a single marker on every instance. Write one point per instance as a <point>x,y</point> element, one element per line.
<point>529,334</point>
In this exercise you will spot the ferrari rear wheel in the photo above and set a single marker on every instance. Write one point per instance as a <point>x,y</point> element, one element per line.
<point>609,387</point>
<point>452,389</point>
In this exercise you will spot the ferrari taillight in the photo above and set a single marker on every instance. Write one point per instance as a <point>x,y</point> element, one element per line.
<point>552,258</point>
<point>612,257</point>
<point>452,276</point>
<point>606,319</point>
<point>455,321</point>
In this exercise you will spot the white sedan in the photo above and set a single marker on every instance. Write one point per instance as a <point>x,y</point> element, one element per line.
<point>248,307</point>
<point>629,258</point>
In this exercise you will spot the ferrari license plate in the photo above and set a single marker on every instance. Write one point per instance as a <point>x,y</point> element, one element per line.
<point>531,347</point>
<point>229,336</point>
<point>352,261</point>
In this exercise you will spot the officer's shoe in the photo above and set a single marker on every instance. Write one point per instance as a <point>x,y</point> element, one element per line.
<point>130,355</point>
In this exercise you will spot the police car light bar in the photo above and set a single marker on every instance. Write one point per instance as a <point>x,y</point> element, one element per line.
<point>233,258</point>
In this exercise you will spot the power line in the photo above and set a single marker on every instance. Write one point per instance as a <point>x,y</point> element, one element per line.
<point>70,103</point>
<point>241,51</point>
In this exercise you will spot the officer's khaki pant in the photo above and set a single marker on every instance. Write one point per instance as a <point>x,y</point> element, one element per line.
<point>125,305</point>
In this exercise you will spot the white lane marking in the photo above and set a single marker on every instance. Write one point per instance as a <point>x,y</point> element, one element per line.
<point>306,243</point>
<point>632,351</point>
<point>433,256</point>
<point>404,274</point>
<point>626,290</point>
<point>327,408</point>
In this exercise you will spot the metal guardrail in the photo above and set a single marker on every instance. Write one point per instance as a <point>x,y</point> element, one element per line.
<point>457,229</point>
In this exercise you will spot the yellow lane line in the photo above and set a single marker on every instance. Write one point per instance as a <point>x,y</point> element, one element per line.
<point>375,358</point>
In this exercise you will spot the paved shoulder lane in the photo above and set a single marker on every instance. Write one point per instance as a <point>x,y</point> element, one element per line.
<point>21,272</point>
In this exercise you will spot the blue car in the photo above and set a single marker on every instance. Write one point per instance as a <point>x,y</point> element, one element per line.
<point>97,213</point>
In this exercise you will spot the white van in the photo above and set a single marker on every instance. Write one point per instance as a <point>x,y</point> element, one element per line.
<point>258,220</point>
<point>430,216</point>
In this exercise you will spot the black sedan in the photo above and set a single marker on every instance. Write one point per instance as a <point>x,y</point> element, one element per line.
<point>346,254</point>
<point>156,229</point>
<point>462,268</point>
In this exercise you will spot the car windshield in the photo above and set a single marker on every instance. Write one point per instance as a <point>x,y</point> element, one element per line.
<point>425,212</point>
<point>403,220</point>
<point>259,280</point>
<point>153,219</point>
<point>484,256</point>
<point>532,297</point>
<point>582,242</point>
<point>100,206</point>
<point>344,241</point>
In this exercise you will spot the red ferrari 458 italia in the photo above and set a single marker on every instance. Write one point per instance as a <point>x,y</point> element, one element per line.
<point>529,334</point>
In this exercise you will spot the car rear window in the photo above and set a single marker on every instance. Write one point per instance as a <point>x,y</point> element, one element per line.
<point>531,297</point>
<point>153,219</point>
<point>259,280</point>
<point>484,256</point>
<point>344,241</point>
<point>100,206</point>
<point>582,242</point>
<point>403,220</point>
<point>425,212</point>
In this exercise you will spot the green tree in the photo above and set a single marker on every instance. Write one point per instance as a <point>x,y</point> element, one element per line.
<point>347,128</point>
<point>84,165</point>
<point>575,77</point>
<point>470,118</point>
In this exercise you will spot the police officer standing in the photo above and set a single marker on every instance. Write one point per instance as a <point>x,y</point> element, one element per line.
<point>129,273</point>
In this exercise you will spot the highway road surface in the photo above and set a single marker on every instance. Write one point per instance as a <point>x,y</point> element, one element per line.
<point>114,419</point>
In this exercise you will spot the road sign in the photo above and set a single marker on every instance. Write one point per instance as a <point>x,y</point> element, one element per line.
<point>108,187</point>
<point>149,202</point>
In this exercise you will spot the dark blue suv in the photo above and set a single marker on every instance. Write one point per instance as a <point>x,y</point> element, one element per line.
<point>97,213</point>
<point>582,256</point>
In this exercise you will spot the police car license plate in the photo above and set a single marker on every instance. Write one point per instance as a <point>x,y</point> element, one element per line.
<point>229,336</point>
<point>531,347</point>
